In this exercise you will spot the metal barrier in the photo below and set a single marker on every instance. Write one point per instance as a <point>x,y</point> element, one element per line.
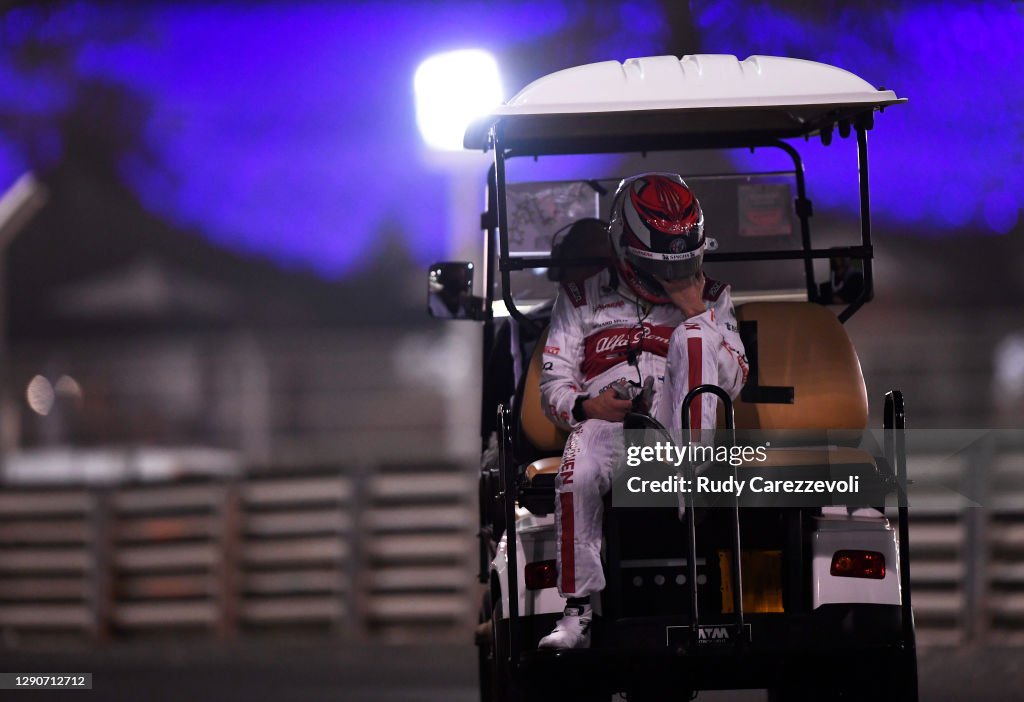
<point>967,544</point>
<point>295,550</point>
<point>169,559</point>
<point>937,548</point>
<point>388,555</point>
<point>419,550</point>
<point>1002,606</point>
<point>52,546</point>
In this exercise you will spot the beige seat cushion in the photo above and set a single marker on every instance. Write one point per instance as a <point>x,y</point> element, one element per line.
<point>816,456</point>
<point>540,431</point>
<point>543,466</point>
<point>804,346</point>
<point>800,345</point>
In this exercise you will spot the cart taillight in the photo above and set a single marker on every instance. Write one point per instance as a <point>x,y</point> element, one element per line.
<point>540,575</point>
<point>850,563</point>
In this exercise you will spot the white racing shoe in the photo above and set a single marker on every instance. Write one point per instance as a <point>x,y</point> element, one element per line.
<point>572,630</point>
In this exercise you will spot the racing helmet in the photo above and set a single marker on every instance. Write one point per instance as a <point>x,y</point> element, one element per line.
<point>657,230</point>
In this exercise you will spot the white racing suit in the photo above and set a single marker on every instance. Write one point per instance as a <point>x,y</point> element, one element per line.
<point>595,331</point>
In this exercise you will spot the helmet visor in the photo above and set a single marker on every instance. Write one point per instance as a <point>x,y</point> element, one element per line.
<point>667,266</point>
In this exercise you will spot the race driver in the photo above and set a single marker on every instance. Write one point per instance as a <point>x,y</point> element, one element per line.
<point>650,318</point>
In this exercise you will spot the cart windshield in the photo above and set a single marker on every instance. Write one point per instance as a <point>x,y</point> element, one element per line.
<point>744,213</point>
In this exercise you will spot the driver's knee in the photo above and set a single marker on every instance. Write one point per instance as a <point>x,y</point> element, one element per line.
<point>589,457</point>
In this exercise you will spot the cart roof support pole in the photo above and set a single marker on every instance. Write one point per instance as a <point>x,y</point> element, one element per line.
<point>803,211</point>
<point>508,501</point>
<point>502,209</point>
<point>865,224</point>
<point>894,422</point>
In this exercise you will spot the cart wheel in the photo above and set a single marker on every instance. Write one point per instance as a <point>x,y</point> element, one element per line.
<point>485,650</point>
<point>504,686</point>
<point>664,695</point>
<point>894,682</point>
<point>901,680</point>
<point>785,694</point>
<point>570,690</point>
<point>898,682</point>
<point>508,687</point>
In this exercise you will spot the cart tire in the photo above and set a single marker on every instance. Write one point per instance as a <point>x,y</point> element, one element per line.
<point>895,682</point>
<point>504,686</point>
<point>508,687</point>
<point>903,680</point>
<point>485,654</point>
<point>673,695</point>
<point>785,694</point>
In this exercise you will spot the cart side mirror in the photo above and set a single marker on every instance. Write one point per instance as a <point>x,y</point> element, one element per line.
<point>450,291</point>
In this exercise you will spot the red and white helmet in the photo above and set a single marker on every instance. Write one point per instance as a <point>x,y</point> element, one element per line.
<point>657,229</point>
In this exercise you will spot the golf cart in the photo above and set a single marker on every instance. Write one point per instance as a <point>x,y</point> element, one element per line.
<point>808,601</point>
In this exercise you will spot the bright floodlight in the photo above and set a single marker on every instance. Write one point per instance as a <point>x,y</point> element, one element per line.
<point>452,89</point>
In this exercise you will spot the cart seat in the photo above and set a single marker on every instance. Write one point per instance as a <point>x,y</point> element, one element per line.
<point>534,424</point>
<point>817,456</point>
<point>803,346</point>
<point>537,471</point>
<point>799,345</point>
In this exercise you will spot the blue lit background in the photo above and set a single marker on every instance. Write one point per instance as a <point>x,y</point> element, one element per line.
<point>954,155</point>
<point>287,130</point>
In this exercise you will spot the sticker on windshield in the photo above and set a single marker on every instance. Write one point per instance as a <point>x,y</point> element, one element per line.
<point>537,211</point>
<point>765,209</point>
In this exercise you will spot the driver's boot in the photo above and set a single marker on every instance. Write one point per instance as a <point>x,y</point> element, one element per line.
<point>572,630</point>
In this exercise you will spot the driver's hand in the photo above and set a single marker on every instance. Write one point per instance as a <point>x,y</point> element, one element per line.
<point>607,406</point>
<point>686,293</point>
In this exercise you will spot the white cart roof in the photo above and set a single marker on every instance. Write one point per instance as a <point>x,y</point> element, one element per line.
<point>702,99</point>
